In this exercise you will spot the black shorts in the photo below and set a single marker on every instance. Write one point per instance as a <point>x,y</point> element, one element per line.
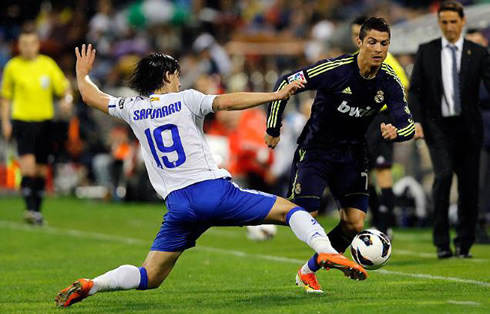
<point>33,138</point>
<point>343,168</point>
<point>380,151</point>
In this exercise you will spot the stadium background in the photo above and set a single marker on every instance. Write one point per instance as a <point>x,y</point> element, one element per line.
<point>223,46</point>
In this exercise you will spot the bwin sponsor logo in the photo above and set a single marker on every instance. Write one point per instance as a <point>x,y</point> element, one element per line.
<point>355,111</point>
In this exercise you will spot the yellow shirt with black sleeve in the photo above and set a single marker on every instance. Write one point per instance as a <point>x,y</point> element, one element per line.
<point>30,86</point>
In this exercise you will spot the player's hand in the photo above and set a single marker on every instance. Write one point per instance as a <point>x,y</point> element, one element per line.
<point>419,131</point>
<point>85,59</point>
<point>271,141</point>
<point>289,90</point>
<point>7,130</point>
<point>388,131</point>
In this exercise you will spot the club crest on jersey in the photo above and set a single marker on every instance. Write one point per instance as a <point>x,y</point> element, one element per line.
<point>297,188</point>
<point>44,81</point>
<point>380,97</point>
<point>299,76</point>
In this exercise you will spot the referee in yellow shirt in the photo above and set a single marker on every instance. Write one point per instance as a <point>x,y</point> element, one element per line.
<point>380,152</point>
<point>30,81</point>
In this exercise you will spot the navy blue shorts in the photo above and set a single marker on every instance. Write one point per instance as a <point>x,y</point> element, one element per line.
<point>194,209</point>
<point>343,168</point>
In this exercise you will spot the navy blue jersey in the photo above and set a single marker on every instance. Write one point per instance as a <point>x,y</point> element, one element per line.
<point>345,103</point>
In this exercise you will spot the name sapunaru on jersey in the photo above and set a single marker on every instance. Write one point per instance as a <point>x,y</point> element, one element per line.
<point>345,102</point>
<point>169,129</point>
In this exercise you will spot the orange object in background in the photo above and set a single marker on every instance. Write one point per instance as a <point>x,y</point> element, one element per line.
<point>12,177</point>
<point>74,144</point>
<point>247,145</point>
<point>121,151</point>
<point>121,146</point>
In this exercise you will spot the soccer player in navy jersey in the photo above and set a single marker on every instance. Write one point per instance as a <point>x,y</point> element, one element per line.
<point>351,90</point>
<point>169,126</point>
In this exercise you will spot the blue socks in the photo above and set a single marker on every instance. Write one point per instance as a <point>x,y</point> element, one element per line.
<point>144,279</point>
<point>313,264</point>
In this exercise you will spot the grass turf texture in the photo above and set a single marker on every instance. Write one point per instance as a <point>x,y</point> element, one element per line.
<point>224,273</point>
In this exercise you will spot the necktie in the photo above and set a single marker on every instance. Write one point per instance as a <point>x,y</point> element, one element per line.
<point>456,87</point>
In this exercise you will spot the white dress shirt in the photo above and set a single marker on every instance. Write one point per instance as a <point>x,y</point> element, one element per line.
<point>447,103</point>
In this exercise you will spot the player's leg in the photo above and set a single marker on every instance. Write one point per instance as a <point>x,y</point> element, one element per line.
<point>25,135</point>
<point>373,200</point>
<point>155,269</point>
<point>27,165</point>
<point>303,225</point>
<point>308,181</point>
<point>306,185</point>
<point>348,183</point>
<point>308,230</point>
<point>384,181</point>
<point>39,184</point>
<point>178,232</point>
<point>42,150</point>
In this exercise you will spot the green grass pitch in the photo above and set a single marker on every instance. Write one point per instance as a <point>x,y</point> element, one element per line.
<point>225,273</point>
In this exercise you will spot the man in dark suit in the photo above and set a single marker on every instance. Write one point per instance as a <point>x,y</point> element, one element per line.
<point>444,99</point>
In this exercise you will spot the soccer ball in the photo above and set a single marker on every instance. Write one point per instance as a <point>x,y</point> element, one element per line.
<point>261,232</point>
<point>371,249</point>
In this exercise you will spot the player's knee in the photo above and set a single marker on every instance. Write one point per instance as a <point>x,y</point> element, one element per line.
<point>150,278</point>
<point>153,281</point>
<point>352,226</point>
<point>309,204</point>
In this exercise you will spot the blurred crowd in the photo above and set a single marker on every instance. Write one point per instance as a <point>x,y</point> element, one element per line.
<point>222,45</point>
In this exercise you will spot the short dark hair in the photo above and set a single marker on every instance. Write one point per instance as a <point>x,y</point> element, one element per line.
<point>376,23</point>
<point>359,20</point>
<point>451,6</point>
<point>28,30</point>
<point>149,74</point>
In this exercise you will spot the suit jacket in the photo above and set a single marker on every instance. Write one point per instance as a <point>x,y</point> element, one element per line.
<point>426,89</point>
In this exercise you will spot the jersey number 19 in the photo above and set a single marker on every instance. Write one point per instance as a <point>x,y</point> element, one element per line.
<point>175,147</point>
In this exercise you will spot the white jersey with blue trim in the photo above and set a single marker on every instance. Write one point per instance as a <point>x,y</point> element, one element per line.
<point>169,128</point>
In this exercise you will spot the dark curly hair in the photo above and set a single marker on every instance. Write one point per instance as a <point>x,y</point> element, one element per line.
<point>377,23</point>
<point>149,74</point>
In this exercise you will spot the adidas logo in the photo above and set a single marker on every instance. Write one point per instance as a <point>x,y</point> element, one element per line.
<point>347,91</point>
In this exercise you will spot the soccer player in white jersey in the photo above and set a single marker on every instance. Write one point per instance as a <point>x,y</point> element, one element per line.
<point>198,194</point>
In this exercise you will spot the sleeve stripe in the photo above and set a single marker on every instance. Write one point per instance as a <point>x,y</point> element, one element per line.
<point>327,64</point>
<point>275,108</point>
<point>111,106</point>
<point>390,71</point>
<point>407,132</point>
<point>328,67</point>
<point>407,127</point>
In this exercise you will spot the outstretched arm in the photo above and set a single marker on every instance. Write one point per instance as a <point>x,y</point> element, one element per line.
<point>243,100</point>
<point>91,94</point>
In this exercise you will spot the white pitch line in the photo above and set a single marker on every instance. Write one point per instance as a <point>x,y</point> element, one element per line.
<point>463,302</point>
<point>133,241</point>
<point>71,232</point>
